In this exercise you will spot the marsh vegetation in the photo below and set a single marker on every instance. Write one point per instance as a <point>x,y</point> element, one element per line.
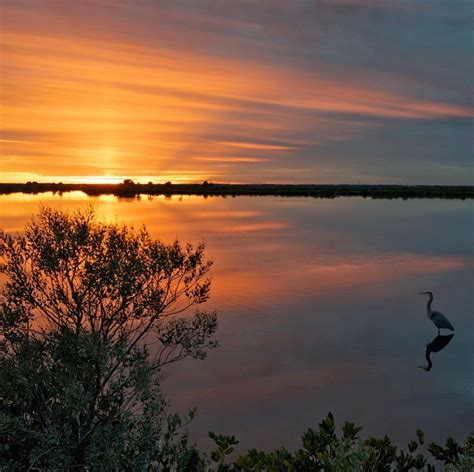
<point>128,188</point>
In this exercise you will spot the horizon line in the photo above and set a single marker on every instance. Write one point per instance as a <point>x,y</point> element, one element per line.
<point>236,184</point>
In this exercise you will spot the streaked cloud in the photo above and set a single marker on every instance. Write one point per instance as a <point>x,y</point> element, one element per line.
<point>257,146</point>
<point>230,159</point>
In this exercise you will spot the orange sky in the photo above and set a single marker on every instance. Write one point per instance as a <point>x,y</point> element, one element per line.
<point>107,90</point>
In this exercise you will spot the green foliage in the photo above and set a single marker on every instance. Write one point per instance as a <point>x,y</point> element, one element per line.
<point>79,385</point>
<point>323,450</point>
<point>455,457</point>
<point>225,446</point>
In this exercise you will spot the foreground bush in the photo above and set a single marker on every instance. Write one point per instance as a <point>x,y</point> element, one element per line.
<point>79,384</point>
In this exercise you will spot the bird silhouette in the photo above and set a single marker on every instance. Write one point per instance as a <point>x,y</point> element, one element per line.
<point>440,321</point>
<point>436,345</point>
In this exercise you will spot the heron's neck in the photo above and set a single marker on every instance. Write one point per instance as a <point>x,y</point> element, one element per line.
<point>428,305</point>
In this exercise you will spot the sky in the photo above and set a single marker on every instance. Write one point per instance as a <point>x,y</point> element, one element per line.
<point>300,91</point>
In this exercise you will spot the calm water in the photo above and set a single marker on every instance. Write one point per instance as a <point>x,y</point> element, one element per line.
<point>318,310</point>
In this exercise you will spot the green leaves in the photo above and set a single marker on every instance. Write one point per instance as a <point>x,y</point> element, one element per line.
<point>459,457</point>
<point>78,386</point>
<point>187,337</point>
<point>323,450</point>
<point>225,446</point>
<point>350,430</point>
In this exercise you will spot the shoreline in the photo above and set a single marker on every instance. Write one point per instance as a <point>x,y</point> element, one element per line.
<point>210,189</point>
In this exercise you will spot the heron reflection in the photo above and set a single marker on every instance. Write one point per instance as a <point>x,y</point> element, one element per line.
<point>436,345</point>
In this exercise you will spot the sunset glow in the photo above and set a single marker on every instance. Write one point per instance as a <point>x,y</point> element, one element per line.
<point>248,209</point>
<point>99,91</point>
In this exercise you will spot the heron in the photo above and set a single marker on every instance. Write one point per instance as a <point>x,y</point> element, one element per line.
<point>440,321</point>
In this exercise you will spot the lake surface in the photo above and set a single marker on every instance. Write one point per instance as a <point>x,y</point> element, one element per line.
<point>318,310</point>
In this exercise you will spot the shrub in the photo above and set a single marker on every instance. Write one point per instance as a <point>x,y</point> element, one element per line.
<point>79,384</point>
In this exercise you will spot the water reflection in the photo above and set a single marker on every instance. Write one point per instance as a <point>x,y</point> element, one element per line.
<point>303,288</point>
<point>436,345</point>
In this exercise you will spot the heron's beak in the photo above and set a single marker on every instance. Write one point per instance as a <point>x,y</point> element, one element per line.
<point>422,293</point>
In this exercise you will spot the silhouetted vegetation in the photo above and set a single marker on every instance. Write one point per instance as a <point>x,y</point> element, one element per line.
<point>129,188</point>
<point>79,385</point>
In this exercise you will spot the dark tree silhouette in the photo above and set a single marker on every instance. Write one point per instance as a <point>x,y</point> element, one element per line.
<point>81,305</point>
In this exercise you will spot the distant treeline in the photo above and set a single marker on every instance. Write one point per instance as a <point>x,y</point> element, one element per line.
<point>131,189</point>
